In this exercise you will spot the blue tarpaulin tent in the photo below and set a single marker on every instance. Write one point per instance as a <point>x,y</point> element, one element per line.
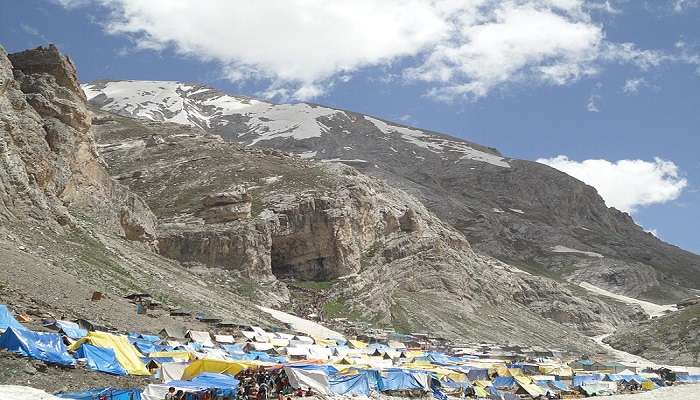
<point>688,378</point>
<point>100,359</point>
<point>224,385</point>
<point>47,347</point>
<point>476,374</point>
<point>399,380</point>
<point>71,329</point>
<point>349,385</point>
<point>504,382</point>
<point>579,379</point>
<point>7,320</point>
<point>328,369</point>
<point>102,393</point>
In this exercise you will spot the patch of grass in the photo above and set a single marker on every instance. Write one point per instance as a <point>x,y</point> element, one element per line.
<point>339,309</point>
<point>246,288</point>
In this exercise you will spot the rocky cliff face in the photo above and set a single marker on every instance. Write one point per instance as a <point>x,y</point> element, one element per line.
<point>67,228</point>
<point>523,213</point>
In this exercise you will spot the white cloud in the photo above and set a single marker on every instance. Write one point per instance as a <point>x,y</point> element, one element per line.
<point>626,184</point>
<point>592,104</point>
<point>632,86</point>
<point>302,47</point>
<point>682,5</point>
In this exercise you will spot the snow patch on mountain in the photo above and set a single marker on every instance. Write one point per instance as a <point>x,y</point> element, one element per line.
<point>437,144</point>
<point>564,249</point>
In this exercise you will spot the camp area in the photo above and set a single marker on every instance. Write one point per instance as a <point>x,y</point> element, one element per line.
<point>305,359</point>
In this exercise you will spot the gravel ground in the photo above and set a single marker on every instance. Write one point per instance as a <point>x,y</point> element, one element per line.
<point>679,392</point>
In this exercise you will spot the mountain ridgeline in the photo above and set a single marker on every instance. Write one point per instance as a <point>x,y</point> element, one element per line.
<point>523,213</point>
<point>217,203</point>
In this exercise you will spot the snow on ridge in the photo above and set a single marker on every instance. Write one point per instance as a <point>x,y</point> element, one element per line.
<point>564,249</point>
<point>652,309</point>
<point>437,144</point>
<point>205,107</point>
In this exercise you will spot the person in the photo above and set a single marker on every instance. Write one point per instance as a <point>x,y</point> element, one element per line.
<point>262,391</point>
<point>179,395</point>
<point>171,393</point>
<point>309,393</point>
<point>299,392</point>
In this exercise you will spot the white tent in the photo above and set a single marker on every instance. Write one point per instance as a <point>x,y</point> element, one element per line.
<point>172,371</point>
<point>11,392</point>
<point>316,380</point>
<point>200,337</point>
<point>228,339</point>
<point>156,391</point>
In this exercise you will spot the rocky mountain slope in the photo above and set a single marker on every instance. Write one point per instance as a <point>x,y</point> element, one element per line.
<point>673,338</point>
<point>520,212</point>
<point>258,217</point>
<point>67,229</point>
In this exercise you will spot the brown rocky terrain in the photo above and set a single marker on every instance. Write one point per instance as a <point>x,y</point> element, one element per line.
<point>387,259</point>
<point>520,212</point>
<point>672,338</point>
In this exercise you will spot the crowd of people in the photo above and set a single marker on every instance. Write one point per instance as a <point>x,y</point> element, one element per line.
<point>267,384</point>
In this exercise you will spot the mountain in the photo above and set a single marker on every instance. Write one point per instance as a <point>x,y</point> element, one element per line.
<point>67,229</point>
<point>522,213</point>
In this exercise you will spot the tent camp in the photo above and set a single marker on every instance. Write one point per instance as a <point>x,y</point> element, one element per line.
<point>127,355</point>
<point>7,320</point>
<point>47,347</point>
<point>100,359</point>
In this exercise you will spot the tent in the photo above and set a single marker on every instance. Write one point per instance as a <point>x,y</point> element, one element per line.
<point>200,337</point>
<point>102,394</point>
<point>172,371</point>
<point>578,380</point>
<point>402,380</point>
<point>350,385</point>
<point>12,392</point>
<point>599,388</point>
<point>504,382</point>
<point>7,320</point>
<point>688,378</point>
<point>127,355</point>
<point>100,359</point>
<point>218,366</point>
<point>47,347</point>
<point>314,379</point>
<point>70,329</point>
<point>224,339</point>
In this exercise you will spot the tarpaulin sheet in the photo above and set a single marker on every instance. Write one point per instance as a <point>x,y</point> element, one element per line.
<point>580,379</point>
<point>172,371</point>
<point>71,329</point>
<point>200,337</point>
<point>688,378</point>
<point>218,366</point>
<point>12,392</point>
<point>225,385</point>
<point>175,355</point>
<point>328,369</point>
<point>42,346</point>
<point>504,382</point>
<point>400,380</point>
<point>599,388</point>
<point>100,359</point>
<point>349,385</point>
<point>103,393</point>
<point>7,320</point>
<point>316,380</point>
<point>478,373</point>
<point>127,355</point>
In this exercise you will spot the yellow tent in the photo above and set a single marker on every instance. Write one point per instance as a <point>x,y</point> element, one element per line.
<point>557,370</point>
<point>482,383</point>
<point>481,392</point>
<point>218,366</point>
<point>648,385</point>
<point>127,355</point>
<point>175,355</point>
<point>358,344</point>
<point>527,385</point>
<point>325,342</point>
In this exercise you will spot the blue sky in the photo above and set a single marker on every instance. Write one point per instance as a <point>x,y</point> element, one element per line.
<point>594,80</point>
